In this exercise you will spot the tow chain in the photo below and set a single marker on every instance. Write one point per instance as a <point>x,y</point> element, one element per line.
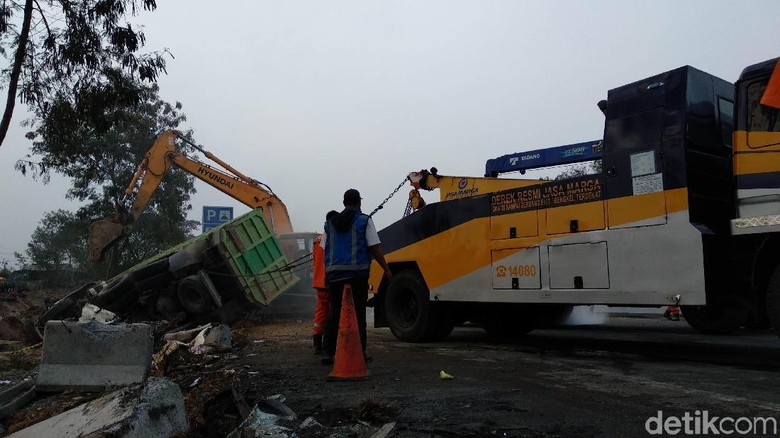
<point>380,206</point>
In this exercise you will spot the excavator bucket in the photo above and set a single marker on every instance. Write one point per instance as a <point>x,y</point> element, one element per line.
<point>102,235</point>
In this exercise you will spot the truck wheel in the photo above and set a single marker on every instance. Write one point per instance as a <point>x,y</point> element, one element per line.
<point>773,301</point>
<point>408,307</point>
<point>193,295</point>
<point>719,318</point>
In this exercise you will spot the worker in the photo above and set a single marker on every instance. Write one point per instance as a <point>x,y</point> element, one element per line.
<point>351,241</point>
<point>320,287</point>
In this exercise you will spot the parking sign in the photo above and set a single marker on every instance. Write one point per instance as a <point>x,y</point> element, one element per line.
<point>216,216</point>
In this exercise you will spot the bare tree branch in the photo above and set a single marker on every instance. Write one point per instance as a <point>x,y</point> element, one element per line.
<point>13,83</point>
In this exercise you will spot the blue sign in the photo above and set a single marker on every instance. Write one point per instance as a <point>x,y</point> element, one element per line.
<point>216,216</point>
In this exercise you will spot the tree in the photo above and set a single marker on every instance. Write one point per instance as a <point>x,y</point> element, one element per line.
<point>5,268</point>
<point>576,170</point>
<point>71,50</point>
<point>60,242</point>
<point>101,164</point>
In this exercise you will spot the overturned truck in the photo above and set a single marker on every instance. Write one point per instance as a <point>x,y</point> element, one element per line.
<point>221,275</point>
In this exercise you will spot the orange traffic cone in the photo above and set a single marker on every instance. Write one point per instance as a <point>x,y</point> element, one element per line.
<point>349,363</point>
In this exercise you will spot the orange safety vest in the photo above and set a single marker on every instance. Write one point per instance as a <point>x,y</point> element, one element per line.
<point>318,265</point>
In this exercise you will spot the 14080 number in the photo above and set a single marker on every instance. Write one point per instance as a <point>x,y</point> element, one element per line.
<point>516,271</point>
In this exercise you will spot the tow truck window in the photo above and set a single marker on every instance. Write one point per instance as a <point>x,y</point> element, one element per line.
<point>761,118</point>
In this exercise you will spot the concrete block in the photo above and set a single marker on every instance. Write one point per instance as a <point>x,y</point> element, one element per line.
<point>155,409</point>
<point>91,356</point>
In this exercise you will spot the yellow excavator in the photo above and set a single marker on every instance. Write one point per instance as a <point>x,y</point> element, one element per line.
<point>158,160</point>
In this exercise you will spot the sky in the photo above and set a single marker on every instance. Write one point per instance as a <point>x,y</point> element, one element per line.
<point>314,97</point>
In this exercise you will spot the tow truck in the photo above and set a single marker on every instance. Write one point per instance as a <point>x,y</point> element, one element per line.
<point>685,211</point>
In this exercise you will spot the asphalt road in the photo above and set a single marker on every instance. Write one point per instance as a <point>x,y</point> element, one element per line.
<point>608,379</point>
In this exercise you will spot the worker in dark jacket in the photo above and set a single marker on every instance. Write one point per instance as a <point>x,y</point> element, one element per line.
<point>351,242</point>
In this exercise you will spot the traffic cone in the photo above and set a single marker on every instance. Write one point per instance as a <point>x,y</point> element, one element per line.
<point>349,363</point>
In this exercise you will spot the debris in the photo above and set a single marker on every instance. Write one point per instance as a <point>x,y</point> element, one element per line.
<point>444,376</point>
<point>91,312</point>
<point>220,336</point>
<point>159,359</point>
<point>260,423</point>
<point>90,356</point>
<point>384,430</point>
<point>185,335</point>
<point>18,328</point>
<point>241,404</point>
<point>212,339</point>
<point>373,411</point>
<point>5,382</point>
<point>279,397</point>
<point>279,408</point>
<point>13,398</point>
<point>310,422</point>
<point>195,383</point>
<point>155,409</point>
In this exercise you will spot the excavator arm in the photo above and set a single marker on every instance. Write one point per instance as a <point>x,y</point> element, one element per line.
<point>156,163</point>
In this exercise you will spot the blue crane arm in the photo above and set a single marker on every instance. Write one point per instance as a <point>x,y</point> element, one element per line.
<point>522,161</point>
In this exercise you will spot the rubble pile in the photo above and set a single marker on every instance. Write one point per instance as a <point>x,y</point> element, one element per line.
<point>97,376</point>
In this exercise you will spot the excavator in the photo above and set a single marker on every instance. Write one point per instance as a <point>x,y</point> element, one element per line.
<point>163,155</point>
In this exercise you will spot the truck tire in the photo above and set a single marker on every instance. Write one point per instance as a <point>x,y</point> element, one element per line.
<point>114,292</point>
<point>718,318</point>
<point>408,307</point>
<point>194,296</point>
<point>773,301</point>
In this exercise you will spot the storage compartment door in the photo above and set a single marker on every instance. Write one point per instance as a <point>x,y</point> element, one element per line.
<point>579,266</point>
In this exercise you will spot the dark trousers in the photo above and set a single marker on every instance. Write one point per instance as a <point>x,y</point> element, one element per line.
<point>359,296</point>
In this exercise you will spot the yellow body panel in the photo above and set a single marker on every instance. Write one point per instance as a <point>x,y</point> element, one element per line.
<point>466,248</point>
<point>756,152</point>
<point>526,224</point>
<point>589,216</point>
<point>457,187</point>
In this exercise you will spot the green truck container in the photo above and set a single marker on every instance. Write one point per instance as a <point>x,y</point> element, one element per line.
<point>221,275</point>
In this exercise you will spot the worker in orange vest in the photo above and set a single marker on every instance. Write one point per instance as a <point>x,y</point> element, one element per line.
<point>318,283</point>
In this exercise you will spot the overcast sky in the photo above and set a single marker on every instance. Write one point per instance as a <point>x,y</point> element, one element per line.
<point>313,98</point>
